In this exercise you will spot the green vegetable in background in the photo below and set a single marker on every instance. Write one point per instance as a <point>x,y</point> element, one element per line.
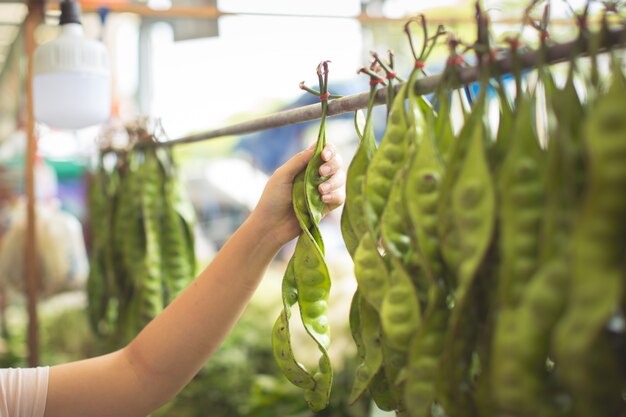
<point>143,238</point>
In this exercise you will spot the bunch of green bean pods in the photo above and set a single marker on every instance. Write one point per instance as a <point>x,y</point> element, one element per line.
<point>143,250</point>
<point>489,268</point>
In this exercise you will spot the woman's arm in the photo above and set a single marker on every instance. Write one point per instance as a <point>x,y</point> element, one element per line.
<point>172,348</point>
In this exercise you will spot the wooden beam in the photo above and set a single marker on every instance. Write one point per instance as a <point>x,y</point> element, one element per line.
<point>211,12</point>
<point>34,17</point>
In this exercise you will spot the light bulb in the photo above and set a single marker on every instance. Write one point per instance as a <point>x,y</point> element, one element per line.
<point>72,81</point>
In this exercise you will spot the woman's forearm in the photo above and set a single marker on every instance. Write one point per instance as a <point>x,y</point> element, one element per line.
<point>181,339</point>
<point>175,345</point>
<point>171,349</point>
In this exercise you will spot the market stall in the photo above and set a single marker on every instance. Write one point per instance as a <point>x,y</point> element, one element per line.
<point>484,228</point>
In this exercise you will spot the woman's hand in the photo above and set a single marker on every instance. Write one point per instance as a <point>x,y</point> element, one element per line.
<point>275,208</point>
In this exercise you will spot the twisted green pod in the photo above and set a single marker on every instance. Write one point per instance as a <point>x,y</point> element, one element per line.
<point>310,275</point>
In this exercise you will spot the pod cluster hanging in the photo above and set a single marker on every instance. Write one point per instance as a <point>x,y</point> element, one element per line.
<point>142,252</point>
<point>490,262</point>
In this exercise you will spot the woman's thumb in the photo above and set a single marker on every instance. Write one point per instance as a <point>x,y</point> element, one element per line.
<point>298,162</point>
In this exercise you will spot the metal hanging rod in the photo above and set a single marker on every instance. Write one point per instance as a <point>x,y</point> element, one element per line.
<point>555,54</point>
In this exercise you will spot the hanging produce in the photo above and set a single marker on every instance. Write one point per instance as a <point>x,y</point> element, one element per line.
<point>143,243</point>
<point>490,265</point>
<point>364,322</point>
<point>307,281</point>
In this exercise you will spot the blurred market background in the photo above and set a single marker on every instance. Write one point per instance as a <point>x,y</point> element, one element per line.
<point>193,74</point>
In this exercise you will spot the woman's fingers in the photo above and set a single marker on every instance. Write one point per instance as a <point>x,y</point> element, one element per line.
<point>333,161</point>
<point>333,189</point>
<point>335,182</point>
<point>335,198</point>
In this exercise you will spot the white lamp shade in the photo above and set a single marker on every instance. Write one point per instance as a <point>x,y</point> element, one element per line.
<point>72,81</point>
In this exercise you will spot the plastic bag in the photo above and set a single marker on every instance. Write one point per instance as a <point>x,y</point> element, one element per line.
<point>61,254</point>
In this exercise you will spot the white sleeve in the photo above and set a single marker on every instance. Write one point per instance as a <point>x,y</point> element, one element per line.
<point>23,391</point>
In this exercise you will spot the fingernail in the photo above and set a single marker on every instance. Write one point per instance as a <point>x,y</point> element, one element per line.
<point>324,187</point>
<point>327,154</point>
<point>324,170</point>
<point>326,198</point>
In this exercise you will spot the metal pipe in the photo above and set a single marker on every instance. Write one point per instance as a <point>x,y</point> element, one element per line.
<point>555,54</point>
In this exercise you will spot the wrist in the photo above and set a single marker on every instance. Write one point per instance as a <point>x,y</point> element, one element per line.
<point>263,233</point>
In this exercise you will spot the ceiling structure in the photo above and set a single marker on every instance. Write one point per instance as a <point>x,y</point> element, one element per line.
<point>12,15</point>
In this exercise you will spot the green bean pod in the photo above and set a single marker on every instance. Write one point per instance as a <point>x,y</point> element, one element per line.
<point>99,286</point>
<point>354,320</point>
<point>417,110</point>
<point>396,238</point>
<point>565,168</point>
<point>386,161</point>
<point>372,357</point>
<point>421,188</point>
<point>521,187</point>
<point>350,238</point>
<point>522,383</point>
<point>585,363</point>
<point>150,286</point>
<point>313,286</point>
<point>298,197</point>
<point>128,244</point>
<point>355,176</point>
<point>382,392</point>
<point>370,271</point>
<point>313,280</point>
<point>400,309</point>
<point>473,204</point>
<point>296,373</point>
<point>394,367</point>
<point>313,179</point>
<point>448,233</point>
<point>311,277</point>
<point>500,148</point>
<point>176,234</point>
<point>424,355</point>
<point>444,135</point>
